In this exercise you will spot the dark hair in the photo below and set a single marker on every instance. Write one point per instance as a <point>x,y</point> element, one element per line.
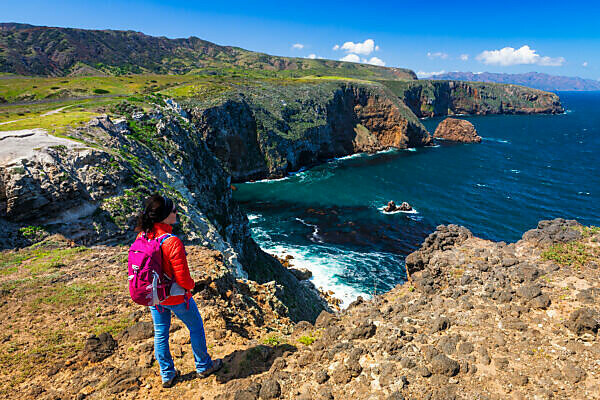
<point>156,209</point>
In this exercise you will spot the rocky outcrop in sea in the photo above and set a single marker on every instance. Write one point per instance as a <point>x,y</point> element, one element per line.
<point>457,130</point>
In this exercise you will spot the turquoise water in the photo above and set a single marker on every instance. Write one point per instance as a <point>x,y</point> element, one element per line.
<point>527,168</point>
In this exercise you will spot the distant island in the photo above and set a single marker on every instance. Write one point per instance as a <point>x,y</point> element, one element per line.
<point>534,80</point>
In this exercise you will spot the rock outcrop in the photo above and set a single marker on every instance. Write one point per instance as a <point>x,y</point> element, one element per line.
<point>457,130</point>
<point>478,319</point>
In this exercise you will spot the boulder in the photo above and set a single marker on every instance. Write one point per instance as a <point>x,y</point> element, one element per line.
<point>139,331</point>
<point>583,320</point>
<point>97,348</point>
<point>457,130</point>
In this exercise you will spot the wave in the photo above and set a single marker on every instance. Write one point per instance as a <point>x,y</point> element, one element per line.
<point>268,180</point>
<point>315,234</point>
<point>496,140</point>
<point>252,217</point>
<point>327,264</point>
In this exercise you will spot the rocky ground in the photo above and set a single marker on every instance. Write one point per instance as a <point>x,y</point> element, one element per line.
<point>478,320</point>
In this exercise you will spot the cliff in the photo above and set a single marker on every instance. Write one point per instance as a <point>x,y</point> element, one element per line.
<point>271,130</point>
<point>89,188</point>
<point>534,80</point>
<point>478,319</point>
<point>439,98</point>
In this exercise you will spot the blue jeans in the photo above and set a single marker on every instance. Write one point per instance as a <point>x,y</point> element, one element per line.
<point>192,319</point>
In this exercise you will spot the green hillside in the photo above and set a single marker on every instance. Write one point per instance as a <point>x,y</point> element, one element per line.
<point>47,51</point>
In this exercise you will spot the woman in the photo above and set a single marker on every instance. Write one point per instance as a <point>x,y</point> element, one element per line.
<point>157,219</point>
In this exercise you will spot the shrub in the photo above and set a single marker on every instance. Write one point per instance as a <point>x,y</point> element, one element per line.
<point>306,340</point>
<point>273,340</point>
<point>101,91</point>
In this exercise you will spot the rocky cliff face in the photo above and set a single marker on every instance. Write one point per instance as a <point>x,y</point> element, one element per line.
<point>269,133</point>
<point>91,190</point>
<point>438,98</point>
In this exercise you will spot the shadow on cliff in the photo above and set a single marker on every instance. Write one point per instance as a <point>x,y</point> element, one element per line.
<point>252,361</point>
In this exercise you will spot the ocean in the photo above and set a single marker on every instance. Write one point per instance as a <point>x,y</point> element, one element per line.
<point>527,168</point>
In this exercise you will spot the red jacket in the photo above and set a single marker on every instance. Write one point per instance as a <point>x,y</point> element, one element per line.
<point>174,261</point>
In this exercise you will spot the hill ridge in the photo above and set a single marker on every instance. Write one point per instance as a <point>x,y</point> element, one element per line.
<point>55,51</point>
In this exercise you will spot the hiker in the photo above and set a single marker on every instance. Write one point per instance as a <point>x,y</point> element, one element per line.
<point>155,222</point>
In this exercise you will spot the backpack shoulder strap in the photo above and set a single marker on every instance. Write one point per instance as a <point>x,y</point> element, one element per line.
<point>164,237</point>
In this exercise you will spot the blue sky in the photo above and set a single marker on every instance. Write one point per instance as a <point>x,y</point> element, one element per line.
<point>562,38</point>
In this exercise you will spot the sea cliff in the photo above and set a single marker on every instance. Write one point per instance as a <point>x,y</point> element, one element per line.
<point>88,184</point>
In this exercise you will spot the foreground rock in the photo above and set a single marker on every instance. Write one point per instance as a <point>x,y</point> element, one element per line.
<point>457,130</point>
<point>478,319</point>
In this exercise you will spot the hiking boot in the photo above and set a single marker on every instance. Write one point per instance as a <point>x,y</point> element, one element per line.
<point>216,365</point>
<point>171,381</point>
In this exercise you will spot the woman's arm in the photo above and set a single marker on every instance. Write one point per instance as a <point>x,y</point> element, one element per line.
<point>173,246</point>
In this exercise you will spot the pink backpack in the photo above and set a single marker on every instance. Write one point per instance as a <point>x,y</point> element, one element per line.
<point>148,284</point>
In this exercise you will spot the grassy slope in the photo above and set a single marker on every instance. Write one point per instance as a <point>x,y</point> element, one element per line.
<point>36,50</point>
<point>78,102</point>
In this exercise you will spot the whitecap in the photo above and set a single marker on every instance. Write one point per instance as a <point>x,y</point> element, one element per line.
<point>584,193</point>
<point>326,263</point>
<point>515,171</point>
<point>411,149</point>
<point>269,180</point>
<point>495,140</point>
<point>252,217</point>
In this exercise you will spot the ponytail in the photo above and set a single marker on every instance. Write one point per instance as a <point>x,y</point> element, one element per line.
<point>156,209</point>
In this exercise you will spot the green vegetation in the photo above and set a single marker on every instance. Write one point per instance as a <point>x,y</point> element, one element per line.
<point>119,53</point>
<point>306,340</point>
<point>38,258</point>
<point>32,232</point>
<point>576,253</point>
<point>273,340</point>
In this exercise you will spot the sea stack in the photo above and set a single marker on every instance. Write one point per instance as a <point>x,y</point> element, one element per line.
<point>457,130</point>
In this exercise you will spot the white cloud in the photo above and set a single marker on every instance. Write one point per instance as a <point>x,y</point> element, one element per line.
<point>585,64</point>
<point>312,56</point>
<point>464,57</point>
<point>298,46</point>
<point>356,59</point>
<point>423,74</point>
<point>524,55</point>
<point>351,58</point>
<point>365,48</point>
<point>437,54</point>
<point>376,61</point>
